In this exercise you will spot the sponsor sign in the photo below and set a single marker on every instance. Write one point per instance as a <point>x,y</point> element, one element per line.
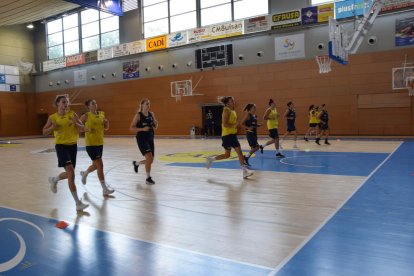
<point>396,4</point>
<point>156,43</point>
<point>200,34</point>
<point>309,15</point>
<point>105,53</point>
<point>136,47</point>
<point>13,87</point>
<point>130,69</point>
<point>120,50</point>
<point>404,32</point>
<point>53,64</point>
<point>256,24</point>
<point>326,11</point>
<point>75,60</point>
<point>286,19</point>
<point>91,56</point>
<point>290,47</point>
<point>177,39</point>
<point>79,77</point>
<point>111,6</point>
<point>2,78</point>
<point>226,30</point>
<point>350,8</point>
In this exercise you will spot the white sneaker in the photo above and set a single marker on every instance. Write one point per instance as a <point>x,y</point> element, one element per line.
<point>209,161</point>
<point>84,176</point>
<point>247,173</point>
<point>107,191</point>
<point>81,206</point>
<point>53,184</point>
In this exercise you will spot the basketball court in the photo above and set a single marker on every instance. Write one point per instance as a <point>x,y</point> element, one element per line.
<point>306,214</point>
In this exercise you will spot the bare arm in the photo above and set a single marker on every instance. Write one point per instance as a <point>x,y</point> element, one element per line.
<point>78,123</point>
<point>155,126</point>
<point>49,127</point>
<point>243,122</point>
<point>106,124</point>
<point>266,115</point>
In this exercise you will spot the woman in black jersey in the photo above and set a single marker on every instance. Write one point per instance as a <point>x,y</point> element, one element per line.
<point>249,123</point>
<point>290,115</point>
<point>143,125</point>
<point>324,119</point>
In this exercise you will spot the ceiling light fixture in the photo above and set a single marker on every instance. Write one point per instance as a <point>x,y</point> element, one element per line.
<point>30,26</point>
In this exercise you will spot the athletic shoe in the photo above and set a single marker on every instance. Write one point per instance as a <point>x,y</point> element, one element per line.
<point>81,206</point>
<point>136,165</point>
<point>246,160</point>
<point>246,173</point>
<point>317,141</point>
<point>279,155</point>
<point>53,184</point>
<point>327,143</point>
<point>209,161</point>
<point>107,191</point>
<point>306,139</point>
<point>83,175</point>
<point>149,181</point>
<point>261,149</point>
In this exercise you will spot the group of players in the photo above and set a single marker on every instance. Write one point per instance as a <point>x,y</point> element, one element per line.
<point>66,125</point>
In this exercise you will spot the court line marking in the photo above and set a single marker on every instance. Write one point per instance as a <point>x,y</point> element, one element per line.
<point>150,242</point>
<point>297,249</point>
<point>307,166</point>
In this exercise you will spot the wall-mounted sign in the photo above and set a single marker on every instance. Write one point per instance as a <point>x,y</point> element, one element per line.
<point>91,56</point>
<point>136,47</point>
<point>111,6</point>
<point>290,47</point>
<point>156,43</point>
<point>2,78</point>
<point>350,8</point>
<point>120,50</point>
<point>75,60</point>
<point>256,24</point>
<point>130,69</point>
<point>105,53</point>
<point>198,35</point>
<point>397,4</point>
<point>286,19</point>
<point>177,39</point>
<point>309,15</point>
<point>79,77</point>
<point>326,11</point>
<point>226,30</point>
<point>404,32</point>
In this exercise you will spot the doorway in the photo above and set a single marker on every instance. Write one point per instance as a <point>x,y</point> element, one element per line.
<point>211,126</point>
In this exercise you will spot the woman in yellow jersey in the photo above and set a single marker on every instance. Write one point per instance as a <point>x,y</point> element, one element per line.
<point>143,124</point>
<point>95,124</point>
<point>229,136</point>
<point>271,116</point>
<point>313,122</point>
<point>65,125</point>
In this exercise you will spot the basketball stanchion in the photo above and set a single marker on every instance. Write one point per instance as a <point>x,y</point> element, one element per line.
<point>324,63</point>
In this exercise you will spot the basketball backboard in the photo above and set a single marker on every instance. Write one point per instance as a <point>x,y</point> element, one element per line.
<point>400,77</point>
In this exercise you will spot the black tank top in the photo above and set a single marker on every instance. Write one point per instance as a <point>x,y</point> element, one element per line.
<point>143,122</point>
<point>324,116</point>
<point>252,122</point>
<point>291,116</point>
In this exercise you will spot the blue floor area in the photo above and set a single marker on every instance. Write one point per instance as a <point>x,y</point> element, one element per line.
<point>32,245</point>
<point>314,162</point>
<point>373,234</point>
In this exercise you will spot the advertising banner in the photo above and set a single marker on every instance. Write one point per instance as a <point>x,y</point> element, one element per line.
<point>79,77</point>
<point>156,43</point>
<point>404,31</point>
<point>75,60</point>
<point>397,4</point>
<point>177,39</point>
<point>309,15</point>
<point>105,53</point>
<point>326,11</point>
<point>53,64</point>
<point>290,47</point>
<point>2,78</point>
<point>286,19</point>
<point>200,34</point>
<point>120,50</point>
<point>226,30</point>
<point>350,8</point>
<point>256,24</point>
<point>136,47</point>
<point>91,56</point>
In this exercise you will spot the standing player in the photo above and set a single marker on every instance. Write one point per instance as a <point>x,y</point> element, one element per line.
<point>65,125</point>
<point>324,118</point>
<point>313,122</point>
<point>229,136</point>
<point>209,123</point>
<point>95,124</point>
<point>290,115</point>
<point>143,124</point>
<point>271,116</point>
<point>249,123</point>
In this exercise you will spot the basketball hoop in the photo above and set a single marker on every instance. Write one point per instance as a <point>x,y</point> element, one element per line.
<point>324,63</point>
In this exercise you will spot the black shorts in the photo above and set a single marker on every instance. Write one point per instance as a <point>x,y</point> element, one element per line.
<point>146,145</point>
<point>313,124</point>
<point>324,126</point>
<point>291,127</point>
<point>94,152</point>
<point>252,139</point>
<point>66,155</point>
<point>230,141</point>
<point>273,133</point>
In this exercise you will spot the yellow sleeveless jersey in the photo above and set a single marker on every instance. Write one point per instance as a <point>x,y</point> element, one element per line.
<point>272,121</point>
<point>317,116</point>
<point>232,120</point>
<point>66,133</point>
<point>313,117</point>
<point>95,122</point>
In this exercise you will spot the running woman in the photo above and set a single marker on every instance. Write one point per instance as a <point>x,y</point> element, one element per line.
<point>229,136</point>
<point>143,124</point>
<point>324,119</point>
<point>249,123</point>
<point>313,122</point>
<point>271,116</point>
<point>65,125</point>
<point>95,125</point>
<point>290,115</point>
